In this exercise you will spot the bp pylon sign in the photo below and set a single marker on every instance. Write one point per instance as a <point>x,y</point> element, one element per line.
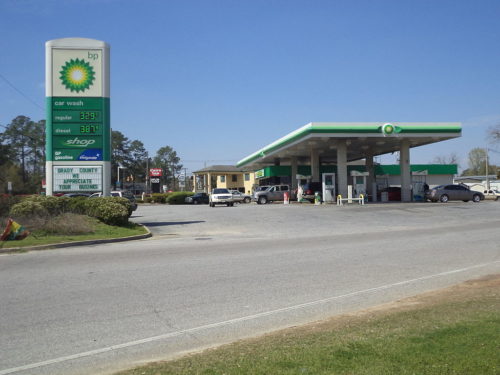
<point>78,131</point>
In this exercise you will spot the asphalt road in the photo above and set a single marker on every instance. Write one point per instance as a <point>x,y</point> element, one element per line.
<point>213,275</point>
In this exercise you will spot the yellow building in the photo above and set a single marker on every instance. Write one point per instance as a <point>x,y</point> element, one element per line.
<point>224,176</point>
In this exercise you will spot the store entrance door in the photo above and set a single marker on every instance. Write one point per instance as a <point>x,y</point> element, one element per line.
<point>329,187</point>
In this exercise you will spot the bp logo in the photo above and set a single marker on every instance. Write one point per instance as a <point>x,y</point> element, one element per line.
<point>77,75</point>
<point>388,129</point>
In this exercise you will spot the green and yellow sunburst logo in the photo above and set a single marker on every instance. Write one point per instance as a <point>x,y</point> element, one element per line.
<point>388,129</point>
<point>77,75</point>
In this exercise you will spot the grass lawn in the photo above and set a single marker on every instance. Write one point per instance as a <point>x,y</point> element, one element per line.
<point>452,331</point>
<point>100,231</point>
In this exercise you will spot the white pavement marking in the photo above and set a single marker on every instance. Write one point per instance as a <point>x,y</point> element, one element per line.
<point>231,321</point>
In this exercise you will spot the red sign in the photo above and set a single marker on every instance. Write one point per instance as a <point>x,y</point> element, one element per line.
<point>155,172</point>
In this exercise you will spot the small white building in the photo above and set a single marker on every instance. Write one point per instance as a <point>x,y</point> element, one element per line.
<point>479,183</point>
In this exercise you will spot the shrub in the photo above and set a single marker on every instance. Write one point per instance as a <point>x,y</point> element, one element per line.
<point>28,208</point>
<point>178,197</point>
<point>77,205</point>
<point>6,203</point>
<point>109,210</point>
<point>53,205</point>
<point>159,198</point>
<point>124,202</point>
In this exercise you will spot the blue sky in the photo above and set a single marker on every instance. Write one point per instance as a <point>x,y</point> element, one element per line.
<point>219,79</point>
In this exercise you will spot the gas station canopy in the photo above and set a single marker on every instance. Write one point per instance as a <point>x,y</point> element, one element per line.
<point>362,139</point>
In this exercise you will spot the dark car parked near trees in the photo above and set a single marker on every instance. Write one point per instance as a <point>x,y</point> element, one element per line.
<point>198,198</point>
<point>445,193</point>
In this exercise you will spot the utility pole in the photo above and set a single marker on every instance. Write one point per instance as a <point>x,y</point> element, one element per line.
<point>185,178</point>
<point>147,173</point>
<point>487,171</point>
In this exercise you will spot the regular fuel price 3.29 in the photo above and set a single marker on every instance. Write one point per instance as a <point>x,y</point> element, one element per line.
<point>90,116</point>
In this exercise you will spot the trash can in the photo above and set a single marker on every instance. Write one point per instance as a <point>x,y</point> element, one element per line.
<point>286,198</point>
<point>317,198</point>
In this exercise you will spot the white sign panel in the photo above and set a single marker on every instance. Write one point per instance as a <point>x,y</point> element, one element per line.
<point>77,178</point>
<point>76,72</point>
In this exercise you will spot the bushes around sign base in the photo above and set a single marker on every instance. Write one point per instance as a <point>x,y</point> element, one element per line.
<point>109,210</point>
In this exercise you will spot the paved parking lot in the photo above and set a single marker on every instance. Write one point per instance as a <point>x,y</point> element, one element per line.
<point>216,275</point>
<point>307,220</point>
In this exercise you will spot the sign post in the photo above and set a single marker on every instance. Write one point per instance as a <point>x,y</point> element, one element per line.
<point>78,130</point>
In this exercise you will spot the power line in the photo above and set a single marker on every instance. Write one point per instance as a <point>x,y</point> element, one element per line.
<point>21,93</point>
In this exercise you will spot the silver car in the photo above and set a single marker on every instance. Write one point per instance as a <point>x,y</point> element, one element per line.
<point>238,196</point>
<point>273,193</point>
<point>445,193</point>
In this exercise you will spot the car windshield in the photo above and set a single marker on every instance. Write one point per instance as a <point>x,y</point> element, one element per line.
<point>221,191</point>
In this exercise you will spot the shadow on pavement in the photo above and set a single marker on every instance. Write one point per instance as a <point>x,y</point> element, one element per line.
<point>166,223</point>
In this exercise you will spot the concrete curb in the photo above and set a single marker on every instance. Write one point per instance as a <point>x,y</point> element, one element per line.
<point>77,243</point>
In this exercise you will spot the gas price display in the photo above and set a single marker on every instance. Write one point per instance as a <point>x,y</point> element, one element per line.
<point>90,116</point>
<point>90,129</point>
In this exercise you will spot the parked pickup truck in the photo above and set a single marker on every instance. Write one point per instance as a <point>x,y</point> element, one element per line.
<point>273,193</point>
<point>491,194</point>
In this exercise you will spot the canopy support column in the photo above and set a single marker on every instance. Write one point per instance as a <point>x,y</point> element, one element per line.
<point>293,164</point>
<point>342,167</point>
<point>315,165</point>
<point>404,165</point>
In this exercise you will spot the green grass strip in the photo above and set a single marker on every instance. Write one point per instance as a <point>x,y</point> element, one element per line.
<point>450,337</point>
<point>101,231</point>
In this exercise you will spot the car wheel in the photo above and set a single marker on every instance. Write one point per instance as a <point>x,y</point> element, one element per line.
<point>262,200</point>
<point>444,198</point>
<point>195,201</point>
<point>476,198</point>
<point>247,200</point>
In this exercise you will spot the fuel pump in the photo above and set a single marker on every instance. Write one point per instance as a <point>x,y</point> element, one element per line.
<point>359,182</point>
<point>328,187</point>
<point>418,184</point>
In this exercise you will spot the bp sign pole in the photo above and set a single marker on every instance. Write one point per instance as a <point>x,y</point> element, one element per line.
<point>78,130</point>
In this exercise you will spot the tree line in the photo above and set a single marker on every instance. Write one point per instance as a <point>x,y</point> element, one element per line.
<point>136,162</point>
<point>478,161</point>
<point>22,158</point>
